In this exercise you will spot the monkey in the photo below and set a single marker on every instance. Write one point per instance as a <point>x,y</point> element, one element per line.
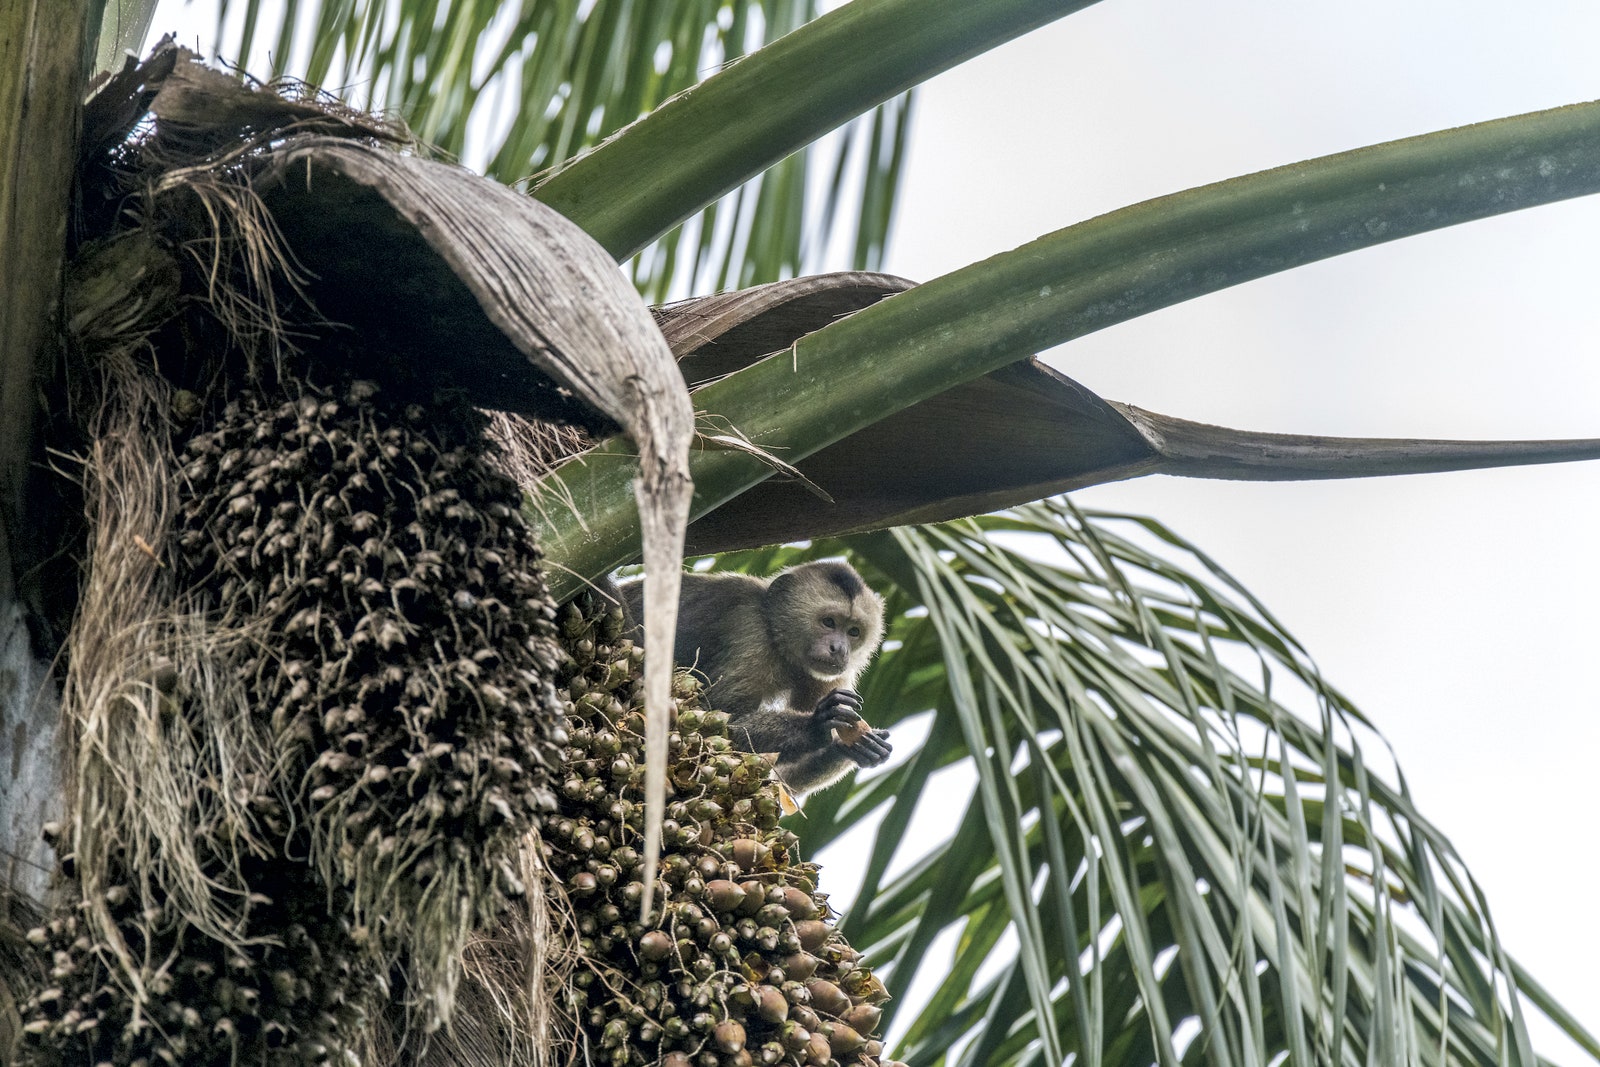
<point>781,657</point>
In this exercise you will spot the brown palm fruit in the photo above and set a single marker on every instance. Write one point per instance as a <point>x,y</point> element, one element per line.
<point>719,973</point>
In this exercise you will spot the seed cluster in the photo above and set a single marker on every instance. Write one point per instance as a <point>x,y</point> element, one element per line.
<point>409,674</point>
<point>285,1003</point>
<point>399,648</point>
<point>740,964</point>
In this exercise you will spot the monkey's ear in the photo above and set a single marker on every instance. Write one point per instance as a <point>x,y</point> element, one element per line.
<point>781,587</point>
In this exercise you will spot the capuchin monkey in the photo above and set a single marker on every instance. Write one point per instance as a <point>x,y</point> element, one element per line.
<point>781,656</point>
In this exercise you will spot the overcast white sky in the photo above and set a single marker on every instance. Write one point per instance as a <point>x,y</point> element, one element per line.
<point>1458,610</point>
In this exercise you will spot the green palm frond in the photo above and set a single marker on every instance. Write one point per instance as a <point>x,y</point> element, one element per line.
<point>1184,844</point>
<point>520,88</point>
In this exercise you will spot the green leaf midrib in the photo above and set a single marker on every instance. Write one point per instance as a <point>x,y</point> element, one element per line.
<point>1081,279</point>
<point>740,122</point>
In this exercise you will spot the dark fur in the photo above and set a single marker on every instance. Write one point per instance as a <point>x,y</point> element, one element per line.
<point>785,679</point>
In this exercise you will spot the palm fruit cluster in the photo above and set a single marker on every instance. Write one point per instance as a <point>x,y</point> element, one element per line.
<point>284,1003</point>
<point>739,965</point>
<point>399,647</point>
<point>408,680</point>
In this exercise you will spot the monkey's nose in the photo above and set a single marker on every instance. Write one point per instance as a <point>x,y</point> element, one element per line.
<point>840,649</point>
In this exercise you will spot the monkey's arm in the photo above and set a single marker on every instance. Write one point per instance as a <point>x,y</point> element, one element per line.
<point>824,766</point>
<point>773,727</point>
<point>816,769</point>
<point>808,755</point>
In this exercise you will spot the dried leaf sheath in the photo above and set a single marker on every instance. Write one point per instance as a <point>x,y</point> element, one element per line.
<point>663,494</point>
<point>260,203</point>
<point>560,301</point>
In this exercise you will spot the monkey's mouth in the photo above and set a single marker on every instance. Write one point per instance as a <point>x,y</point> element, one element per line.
<point>825,667</point>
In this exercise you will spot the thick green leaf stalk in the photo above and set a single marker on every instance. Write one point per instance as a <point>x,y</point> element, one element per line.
<point>1075,281</point>
<point>735,125</point>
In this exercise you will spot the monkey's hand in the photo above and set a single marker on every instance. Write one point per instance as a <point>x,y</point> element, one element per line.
<point>838,710</point>
<point>839,713</point>
<point>870,749</point>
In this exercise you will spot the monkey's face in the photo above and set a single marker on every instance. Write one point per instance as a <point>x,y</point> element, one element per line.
<point>824,619</point>
<point>837,636</point>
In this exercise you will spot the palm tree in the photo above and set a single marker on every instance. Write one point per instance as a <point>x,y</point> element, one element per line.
<point>1169,847</point>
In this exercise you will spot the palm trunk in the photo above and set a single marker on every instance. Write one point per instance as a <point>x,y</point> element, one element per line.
<point>42,48</point>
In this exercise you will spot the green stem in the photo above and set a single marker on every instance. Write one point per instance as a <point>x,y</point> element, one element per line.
<point>1078,280</point>
<point>734,125</point>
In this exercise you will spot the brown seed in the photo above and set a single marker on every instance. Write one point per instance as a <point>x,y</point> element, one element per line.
<point>729,1035</point>
<point>844,1040</point>
<point>793,1036</point>
<point>654,945</point>
<point>749,853</point>
<point>799,903</point>
<point>827,997</point>
<point>800,966</point>
<point>771,1005</point>
<point>863,1017</point>
<point>724,896</point>
<point>817,1051</point>
<point>813,934</point>
<point>849,735</point>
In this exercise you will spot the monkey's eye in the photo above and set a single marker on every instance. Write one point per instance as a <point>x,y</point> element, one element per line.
<point>828,622</point>
<point>855,631</point>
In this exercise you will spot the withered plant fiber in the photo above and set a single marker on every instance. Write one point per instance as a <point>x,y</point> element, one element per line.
<point>309,681</point>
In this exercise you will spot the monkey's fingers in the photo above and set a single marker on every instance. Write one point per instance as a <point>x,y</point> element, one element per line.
<point>836,714</point>
<point>839,698</point>
<point>872,749</point>
<point>842,721</point>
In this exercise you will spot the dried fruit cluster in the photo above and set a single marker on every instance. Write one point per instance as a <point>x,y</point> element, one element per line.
<point>409,677</point>
<point>399,653</point>
<point>283,1004</point>
<point>740,964</point>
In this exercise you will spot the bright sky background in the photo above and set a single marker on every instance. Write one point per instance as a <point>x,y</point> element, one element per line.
<point>1458,610</point>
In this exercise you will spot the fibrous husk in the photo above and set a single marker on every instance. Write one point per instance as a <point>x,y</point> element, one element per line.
<point>197,926</point>
<point>309,680</point>
<point>312,688</point>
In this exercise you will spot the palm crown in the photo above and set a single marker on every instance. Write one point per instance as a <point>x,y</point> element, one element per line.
<point>1186,864</point>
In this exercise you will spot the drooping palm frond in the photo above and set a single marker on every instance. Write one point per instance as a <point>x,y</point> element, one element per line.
<point>519,88</point>
<point>1184,846</point>
<point>903,352</point>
